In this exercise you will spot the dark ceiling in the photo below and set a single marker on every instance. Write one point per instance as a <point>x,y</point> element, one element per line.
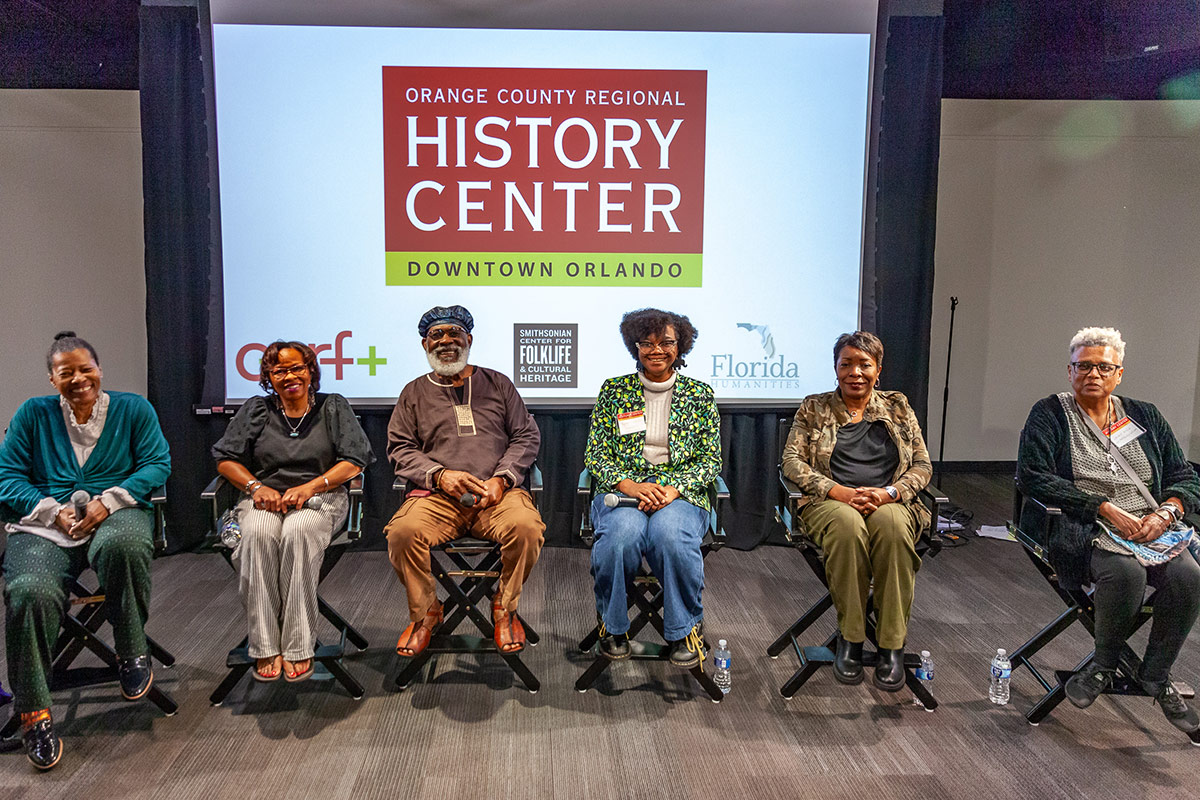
<point>1038,49</point>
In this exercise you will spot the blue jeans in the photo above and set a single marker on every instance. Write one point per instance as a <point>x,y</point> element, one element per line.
<point>670,541</point>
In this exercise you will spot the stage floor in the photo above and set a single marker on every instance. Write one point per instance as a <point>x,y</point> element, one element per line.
<point>646,731</point>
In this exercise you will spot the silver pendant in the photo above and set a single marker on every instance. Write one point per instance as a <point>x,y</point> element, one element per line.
<point>294,434</point>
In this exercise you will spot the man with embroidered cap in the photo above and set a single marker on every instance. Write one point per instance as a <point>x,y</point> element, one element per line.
<point>462,436</point>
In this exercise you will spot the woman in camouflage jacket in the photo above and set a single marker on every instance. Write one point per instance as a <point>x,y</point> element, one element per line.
<point>858,455</point>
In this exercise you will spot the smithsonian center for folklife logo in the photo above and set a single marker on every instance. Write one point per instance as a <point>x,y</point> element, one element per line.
<point>543,177</point>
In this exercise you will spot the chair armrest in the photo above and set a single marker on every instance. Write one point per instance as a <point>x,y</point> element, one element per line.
<point>158,501</point>
<point>1049,511</point>
<point>718,495</point>
<point>789,496</point>
<point>583,497</point>
<point>536,485</point>
<point>354,516</point>
<point>210,492</point>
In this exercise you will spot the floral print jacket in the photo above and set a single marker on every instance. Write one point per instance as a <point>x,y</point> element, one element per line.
<point>814,435</point>
<point>693,438</point>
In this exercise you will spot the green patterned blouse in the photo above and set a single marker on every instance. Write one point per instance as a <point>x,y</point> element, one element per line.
<point>693,438</point>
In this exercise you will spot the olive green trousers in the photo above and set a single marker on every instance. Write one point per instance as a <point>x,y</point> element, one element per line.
<point>880,547</point>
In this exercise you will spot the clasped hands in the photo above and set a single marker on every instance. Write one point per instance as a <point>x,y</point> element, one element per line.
<point>650,496</point>
<point>864,499</point>
<point>456,483</point>
<point>78,529</point>
<point>1135,529</point>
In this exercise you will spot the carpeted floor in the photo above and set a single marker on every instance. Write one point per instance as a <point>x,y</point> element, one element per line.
<point>471,731</point>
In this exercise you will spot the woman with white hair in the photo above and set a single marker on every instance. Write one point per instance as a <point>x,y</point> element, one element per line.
<point>1122,481</point>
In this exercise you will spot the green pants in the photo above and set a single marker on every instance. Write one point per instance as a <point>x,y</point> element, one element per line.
<point>858,549</point>
<point>36,571</point>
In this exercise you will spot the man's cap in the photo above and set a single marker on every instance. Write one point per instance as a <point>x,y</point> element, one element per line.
<point>445,315</point>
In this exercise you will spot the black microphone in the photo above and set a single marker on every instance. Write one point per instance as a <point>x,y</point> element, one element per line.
<point>469,499</point>
<point>80,499</point>
<point>620,501</point>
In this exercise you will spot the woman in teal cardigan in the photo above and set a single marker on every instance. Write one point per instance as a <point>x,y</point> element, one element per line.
<point>109,446</point>
<point>655,439</point>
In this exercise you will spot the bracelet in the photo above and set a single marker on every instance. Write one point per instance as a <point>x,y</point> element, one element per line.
<point>326,482</point>
<point>252,486</point>
<point>1172,510</point>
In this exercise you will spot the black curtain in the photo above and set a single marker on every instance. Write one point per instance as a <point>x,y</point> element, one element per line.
<point>176,218</point>
<point>178,280</point>
<point>906,203</point>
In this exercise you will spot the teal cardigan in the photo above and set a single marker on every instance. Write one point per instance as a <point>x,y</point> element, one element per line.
<point>693,439</point>
<point>36,459</point>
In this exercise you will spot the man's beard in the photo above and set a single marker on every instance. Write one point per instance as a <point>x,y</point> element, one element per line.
<point>448,370</point>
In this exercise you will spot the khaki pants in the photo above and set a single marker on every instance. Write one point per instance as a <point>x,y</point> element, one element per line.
<point>857,549</point>
<point>423,522</point>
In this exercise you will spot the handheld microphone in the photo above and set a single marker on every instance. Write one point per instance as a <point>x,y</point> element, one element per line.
<point>469,499</point>
<point>619,501</point>
<point>80,499</point>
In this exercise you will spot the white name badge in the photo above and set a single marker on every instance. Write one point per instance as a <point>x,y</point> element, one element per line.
<point>631,422</point>
<point>1123,431</point>
<point>465,419</point>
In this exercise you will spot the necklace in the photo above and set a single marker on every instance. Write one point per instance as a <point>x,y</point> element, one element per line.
<point>295,432</point>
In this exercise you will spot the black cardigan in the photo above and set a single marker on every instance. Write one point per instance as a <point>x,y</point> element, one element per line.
<point>1044,471</point>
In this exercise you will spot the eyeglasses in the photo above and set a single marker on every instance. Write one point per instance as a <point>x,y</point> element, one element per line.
<point>649,347</point>
<point>1086,367</point>
<point>279,373</point>
<point>449,332</point>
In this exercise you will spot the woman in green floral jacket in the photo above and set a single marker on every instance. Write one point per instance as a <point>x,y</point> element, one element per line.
<point>655,443</point>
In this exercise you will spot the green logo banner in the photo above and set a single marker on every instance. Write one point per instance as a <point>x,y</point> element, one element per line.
<point>679,270</point>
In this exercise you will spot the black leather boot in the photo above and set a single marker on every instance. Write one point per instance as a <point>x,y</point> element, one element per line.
<point>613,646</point>
<point>889,670</point>
<point>135,676</point>
<point>847,662</point>
<point>43,748</point>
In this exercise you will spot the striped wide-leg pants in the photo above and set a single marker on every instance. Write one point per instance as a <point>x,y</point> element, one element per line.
<point>278,563</point>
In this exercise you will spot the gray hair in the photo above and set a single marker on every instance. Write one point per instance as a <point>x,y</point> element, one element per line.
<point>1099,337</point>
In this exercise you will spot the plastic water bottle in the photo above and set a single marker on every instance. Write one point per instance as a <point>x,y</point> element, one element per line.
<point>1001,675</point>
<point>722,660</point>
<point>924,675</point>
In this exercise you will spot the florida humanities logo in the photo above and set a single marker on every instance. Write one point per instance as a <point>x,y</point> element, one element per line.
<point>543,177</point>
<point>772,370</point>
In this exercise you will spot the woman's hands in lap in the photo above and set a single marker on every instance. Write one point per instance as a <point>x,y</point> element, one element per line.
<point>650,496</point>
<point>1135,529</point>
<point>865,499</point>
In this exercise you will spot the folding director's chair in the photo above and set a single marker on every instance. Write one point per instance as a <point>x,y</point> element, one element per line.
<point>646,593</point>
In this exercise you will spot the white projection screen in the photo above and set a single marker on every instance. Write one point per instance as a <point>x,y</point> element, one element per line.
<point>550,168</point>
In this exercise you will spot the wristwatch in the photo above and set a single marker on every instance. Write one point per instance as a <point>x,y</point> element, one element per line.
<point>893,492</point>
<point>1166,515</point>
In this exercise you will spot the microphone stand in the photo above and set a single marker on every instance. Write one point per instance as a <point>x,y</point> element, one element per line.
<point>946,395</point>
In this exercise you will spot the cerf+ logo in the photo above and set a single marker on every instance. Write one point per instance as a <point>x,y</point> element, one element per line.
<point>337,358</point>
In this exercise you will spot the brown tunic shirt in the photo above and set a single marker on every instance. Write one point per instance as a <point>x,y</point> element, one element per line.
<point>425,433</point>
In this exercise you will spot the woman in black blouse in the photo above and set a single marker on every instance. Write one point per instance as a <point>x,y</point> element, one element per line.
<point>290,453</point>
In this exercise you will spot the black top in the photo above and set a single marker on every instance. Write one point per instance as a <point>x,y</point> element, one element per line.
<point>864,455</point>
<point>259,438</point>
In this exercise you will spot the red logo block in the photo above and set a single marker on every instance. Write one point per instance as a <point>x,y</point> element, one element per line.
<point>543,160</point>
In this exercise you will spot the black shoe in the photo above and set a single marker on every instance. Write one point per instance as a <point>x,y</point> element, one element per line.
<point>136,676</point>
<point>1085,686</point>
<point>847,662</point>
<point>41,745</point>
<point>1177,712</point>
<point>614,646</point>
<point>889,670</point>
<point>689,651</point>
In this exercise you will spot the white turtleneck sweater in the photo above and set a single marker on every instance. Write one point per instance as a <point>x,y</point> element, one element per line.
<point>658,411</point>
